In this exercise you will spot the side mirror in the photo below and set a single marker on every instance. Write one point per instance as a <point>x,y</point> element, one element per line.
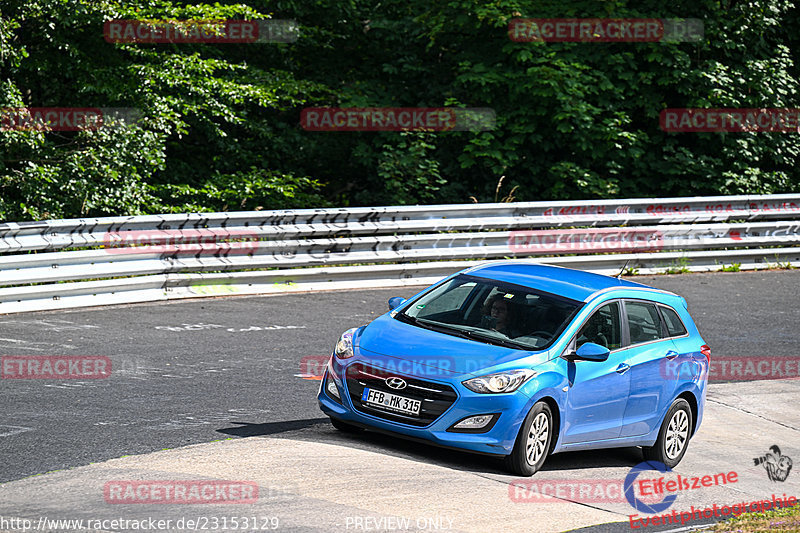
<point>590,351</point>
<point>395,302</point>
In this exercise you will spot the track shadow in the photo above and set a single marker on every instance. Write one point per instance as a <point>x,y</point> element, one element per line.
<point>247,429</point>
<point>320,430</point>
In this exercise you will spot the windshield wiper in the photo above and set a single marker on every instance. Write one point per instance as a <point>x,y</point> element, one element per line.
<point>432,325</point>
<point>407,319</point>
<point>429,324</point>
<point>473,334</point>
<point>495,340</point>
<point>441,327</point>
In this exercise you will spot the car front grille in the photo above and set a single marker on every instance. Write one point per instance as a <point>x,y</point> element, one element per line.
<point>436,398</point>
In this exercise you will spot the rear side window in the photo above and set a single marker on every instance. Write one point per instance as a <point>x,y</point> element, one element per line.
<point>643,322</point>
<point>675,327</point>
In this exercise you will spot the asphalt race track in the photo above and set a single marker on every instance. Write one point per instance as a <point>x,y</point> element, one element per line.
<point>193,372</point>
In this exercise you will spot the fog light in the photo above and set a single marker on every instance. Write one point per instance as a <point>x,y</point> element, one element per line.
<point>332,389</point>
<point>475,424</point>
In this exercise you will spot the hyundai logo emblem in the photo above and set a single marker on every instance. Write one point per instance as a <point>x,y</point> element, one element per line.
<point>396,383</point>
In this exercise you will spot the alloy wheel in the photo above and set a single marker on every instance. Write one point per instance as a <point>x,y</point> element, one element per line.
<point>677,434</point>
<point>537,439</point>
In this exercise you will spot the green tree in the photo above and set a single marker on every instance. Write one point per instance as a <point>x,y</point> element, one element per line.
<point>220,123</point>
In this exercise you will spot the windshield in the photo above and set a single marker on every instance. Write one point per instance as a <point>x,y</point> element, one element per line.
<point>492,311</point>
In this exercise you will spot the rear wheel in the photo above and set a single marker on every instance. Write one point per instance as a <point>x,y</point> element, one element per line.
<point>533,442</point>
<point>673,438</point>
<point>344,426</point>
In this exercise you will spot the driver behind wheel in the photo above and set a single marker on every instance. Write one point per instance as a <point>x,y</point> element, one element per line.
<point>499,315</point>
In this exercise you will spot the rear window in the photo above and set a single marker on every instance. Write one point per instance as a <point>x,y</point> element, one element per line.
<point>675,327</point>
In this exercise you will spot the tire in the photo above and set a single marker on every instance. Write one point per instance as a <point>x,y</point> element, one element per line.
<point>673,438</point>
<point>537,429</point>
<point>344,426</point>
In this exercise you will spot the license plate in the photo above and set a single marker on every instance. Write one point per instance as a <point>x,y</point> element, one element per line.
<point>392,402</point>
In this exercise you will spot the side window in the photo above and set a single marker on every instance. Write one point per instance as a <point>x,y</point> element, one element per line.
<point>643,321</point>
<point>675,327</point>
<point>602,328</point>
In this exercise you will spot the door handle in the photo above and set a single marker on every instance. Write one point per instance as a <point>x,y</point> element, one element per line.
<point>622,368</point>
<point>672,354</point>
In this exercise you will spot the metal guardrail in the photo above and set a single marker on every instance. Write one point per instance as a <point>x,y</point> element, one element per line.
<point>44,264</point>
<point>59,234</point>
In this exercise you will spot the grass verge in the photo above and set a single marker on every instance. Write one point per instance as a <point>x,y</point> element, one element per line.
<point>784,519</point>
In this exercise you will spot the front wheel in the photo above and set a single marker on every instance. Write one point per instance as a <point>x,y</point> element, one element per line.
<point>533,442</point>
<point>673,438</point>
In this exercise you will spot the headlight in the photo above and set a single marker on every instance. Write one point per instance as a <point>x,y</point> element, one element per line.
<point>508,381</point>
<point>344,346</point>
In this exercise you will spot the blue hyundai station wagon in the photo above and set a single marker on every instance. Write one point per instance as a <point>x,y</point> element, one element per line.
<point>520,360</point>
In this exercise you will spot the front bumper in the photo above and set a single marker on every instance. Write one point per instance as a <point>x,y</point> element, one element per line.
<point>497,440</point>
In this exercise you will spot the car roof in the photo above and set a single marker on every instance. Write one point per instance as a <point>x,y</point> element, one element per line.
<point>574,284</point>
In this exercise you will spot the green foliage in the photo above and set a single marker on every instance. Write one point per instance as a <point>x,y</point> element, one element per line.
<point>681,266</point>
<point>243,191</point>
<point>630,271</point>
<point>101,171</point>
<point>407,172</point>
<point>220,123</point>
<point>781,265</point>
<point>209,119</point>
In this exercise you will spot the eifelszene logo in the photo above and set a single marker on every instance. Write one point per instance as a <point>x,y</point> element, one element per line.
<point>669,488</point>
<point>630,495</point>
<point>777,466</point>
